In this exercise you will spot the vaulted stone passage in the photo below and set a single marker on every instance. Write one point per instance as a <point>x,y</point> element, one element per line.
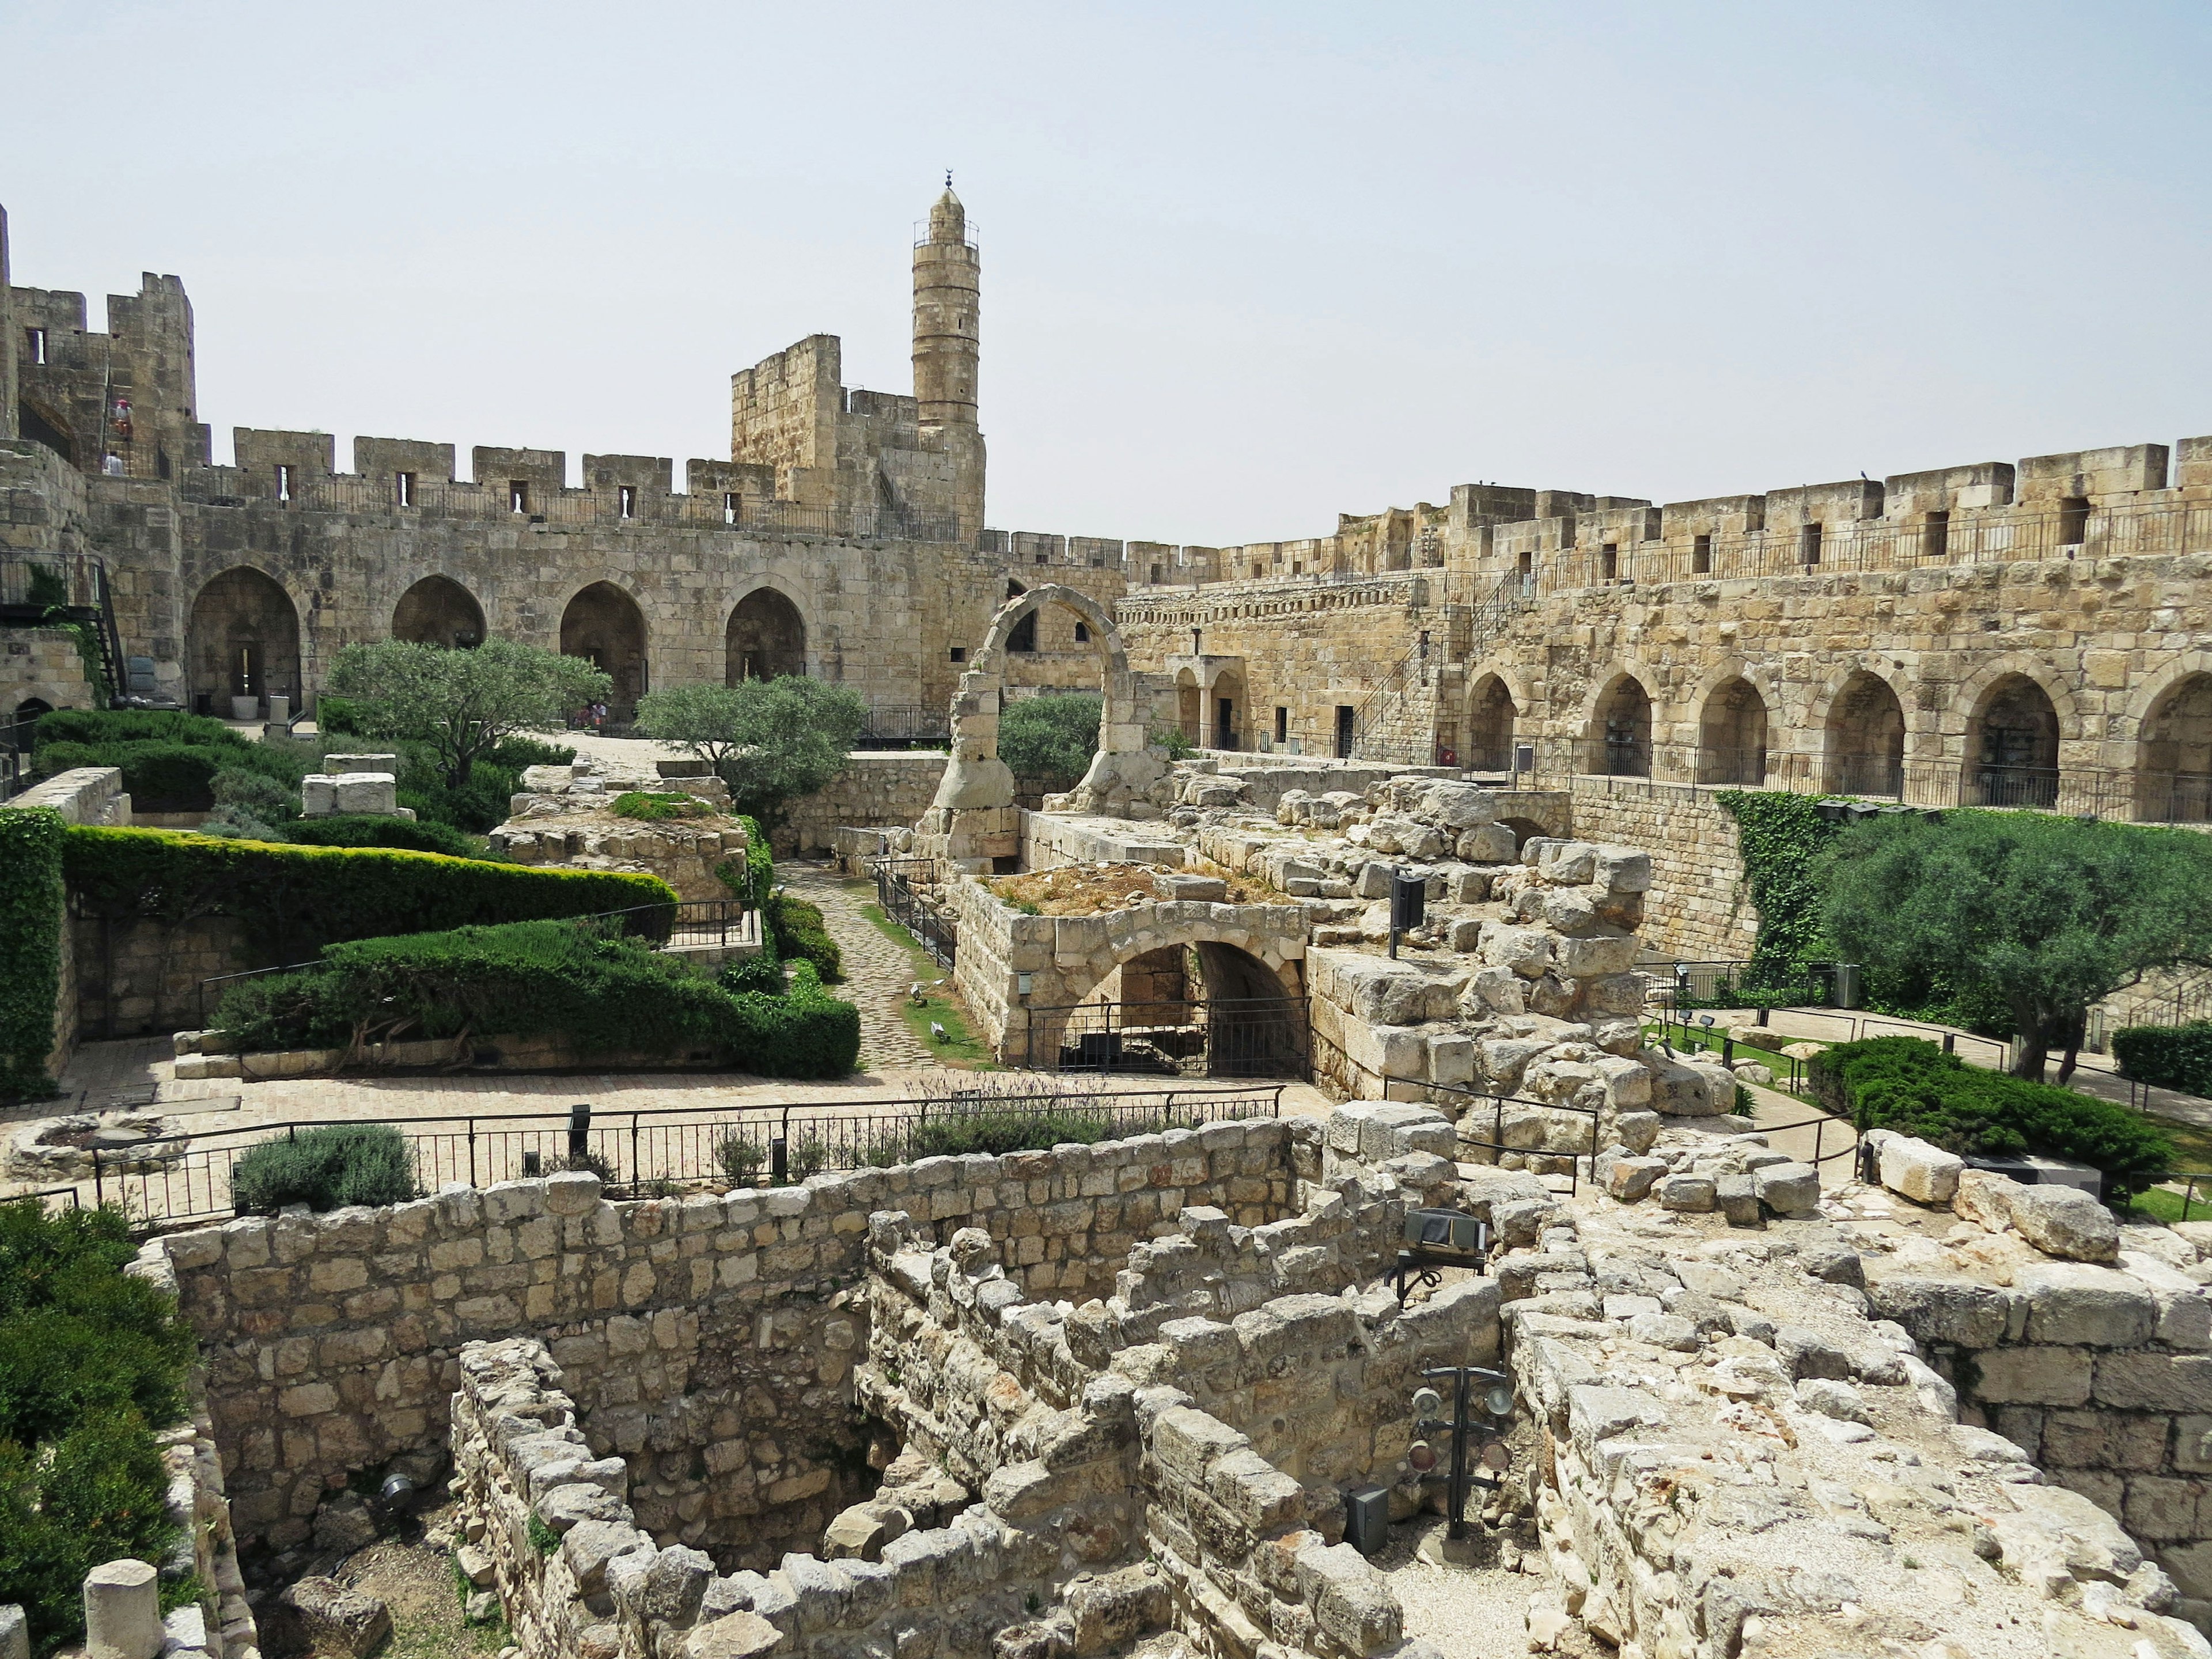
<point>1623,730</point>
<point>2176,775</point>
<point>243,642</point>
<point>1490,714</point>
<point>1865,738</point>
<point>1732,736</point>
<point>439,610</point>
<point>603,625</point>
<point>2012,746</point>
<point>765,638</point>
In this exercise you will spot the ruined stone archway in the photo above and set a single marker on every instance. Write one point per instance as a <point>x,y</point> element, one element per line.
<point>973,823</point>
<point>603,625</point>
<point>765,638</point>
<point>2012,745</point>
<point>1732,735</point>
<point>243,640</point>
<point>439,610</point>
<point>1865,738</point>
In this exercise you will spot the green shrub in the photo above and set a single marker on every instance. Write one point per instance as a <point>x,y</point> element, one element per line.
<point>372,830</point>
<point>330,1167</point>
<point>296,899</point>
<point>653,806</point>
<point>132,725</point>
<point>87,1358</point>
<point>800,935</point>
<point>1052,736</point>
<point>760,976</point>
<point>752,879</point>
<point>1907,1084</point>
<point>602,993</point>
<point>31,899</point>
<point>2167,1056</point>
<point>1171,738</point>
<point>740,1157</point>
<point>257,791</point>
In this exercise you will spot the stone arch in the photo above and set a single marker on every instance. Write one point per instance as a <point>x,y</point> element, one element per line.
<point>1226,711</point>
<point>765,638</point>
<point>1973,693</point>
<point>1616,728</point>
<point>1492,714</point>
<point>1862,737</point>
<point>603,624</point>
<point>30,709</point>
<point>439,610</point>
<point>1732,734</point>
<point>242,641</point>
<point>2173,752</point>
<point>1190,706</point>
<point>2012,745</point>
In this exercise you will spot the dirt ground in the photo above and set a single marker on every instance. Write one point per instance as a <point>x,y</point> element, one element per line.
<point>414,1578</point>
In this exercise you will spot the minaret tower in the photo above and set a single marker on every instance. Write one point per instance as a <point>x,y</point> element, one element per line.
<point>947,299</point>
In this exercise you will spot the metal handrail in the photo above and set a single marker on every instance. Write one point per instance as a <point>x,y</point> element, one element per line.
<point>1498,1104</point>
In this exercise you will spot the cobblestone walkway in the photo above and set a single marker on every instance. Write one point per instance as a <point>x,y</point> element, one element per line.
<point>878,972</point>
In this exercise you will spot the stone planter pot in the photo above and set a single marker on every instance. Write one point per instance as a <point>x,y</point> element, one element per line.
<point>245,708</point>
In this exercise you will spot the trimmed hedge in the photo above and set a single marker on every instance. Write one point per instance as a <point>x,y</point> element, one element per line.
<point>1905,1083</point>
<point>298,898</point>
<point>2167,1056</point>
<point>31,900</point>
<point>168,760</point>
<point>374,830</point>
<point>326,1169</point>
<point>88,1358</point>
<point>801,936</point>
<point>603,993</point>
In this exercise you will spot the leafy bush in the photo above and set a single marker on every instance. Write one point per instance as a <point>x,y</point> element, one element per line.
<point>298,898</point>
<point>1913,1086</point>
<point>30,898</point>
<point>1172,739</point>
<point>741,1157</point>
<point>800,935</point>
<point>87,1358</point>
<point>603,993</point>
<point>2167,1056</point>
<point>751,880</point>
<point>372,830</point>
<point>655,805</point>
<point>132,725</point>
<point>330,1167</point>
<point>168,760</point>
<point>760,976</point>
<point>257,791</point>
<point>1052,737</point>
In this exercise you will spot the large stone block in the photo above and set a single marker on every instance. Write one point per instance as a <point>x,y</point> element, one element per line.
<point>1913,1169</point>
<point>2065,1221</point>
<point>2072,1302</point>
<point>2034,1377</point>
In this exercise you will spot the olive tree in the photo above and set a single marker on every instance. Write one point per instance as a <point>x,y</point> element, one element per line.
<point>1053,738</point>
<point>772,741</point>
<point>462,703</point>
<point>2049,914</point>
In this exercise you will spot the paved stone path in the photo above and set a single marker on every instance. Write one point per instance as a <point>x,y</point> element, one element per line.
<point>877,971</point>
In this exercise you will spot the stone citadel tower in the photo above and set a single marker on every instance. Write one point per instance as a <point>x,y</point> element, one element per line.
<point>947,301</point>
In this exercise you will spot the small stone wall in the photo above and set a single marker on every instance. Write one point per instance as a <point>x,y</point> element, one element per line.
<point>1699,908</point>
<point>85,794</point>
<point>332,1340</point>
<point>887,787</point>
<point>136,975</point>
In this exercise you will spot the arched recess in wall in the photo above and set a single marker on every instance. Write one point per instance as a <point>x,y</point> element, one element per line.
<point>1190,706</point>
<point>2012,745</point>
<point>765,639</point>
<point>242,641</point>
<point>1225,712</point>
<point>1021,639</point>
<point>1864,742</point>
<point>1490,721</point>
<point>30,709</point>
<point>439,610</point>
<point>1732,736</point>
<point>1243,1013</point>
<point>1620,739</point>
<point>2173,776</point>
<point>603,625</point>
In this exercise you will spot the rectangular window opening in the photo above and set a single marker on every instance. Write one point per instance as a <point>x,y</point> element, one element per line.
<point>626,501</point>
<point>1255,572</point>
<point>38,344</point>
<point>1044,558</point>
<point>1701,556</point>
<point>1156,573</point>
<point>283,482</point>
<point>1808,544</point>
<point>1282,725</point>
<point>729,506</point>
<point>960,654</point>
<point>517,495</point>
<point>1611,555</point>
<point>403,489</point>
<point>1526,565</point>
<point>2073,521</point>
<point>1937,544</point>
<point>1082,634</point>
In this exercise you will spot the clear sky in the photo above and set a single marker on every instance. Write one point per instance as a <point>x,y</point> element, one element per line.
<point>1244,266</point>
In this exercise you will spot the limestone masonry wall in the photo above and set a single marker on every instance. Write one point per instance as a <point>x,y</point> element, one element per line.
<point>889,788</point>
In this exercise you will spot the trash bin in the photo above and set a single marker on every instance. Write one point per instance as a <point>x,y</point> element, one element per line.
<point>1847,985</point>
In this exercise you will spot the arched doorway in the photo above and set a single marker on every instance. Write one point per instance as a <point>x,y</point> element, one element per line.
<point>2012,745</point>
<point>1226,730</point>
<point>243,640</point>
<point>1190,707</point>
<point>603,625</point>
<point>439,610</point>
<point>1865,738</point>
<point>1732,736</point>
<point>30,709</point>
<point>1490,714</point>
<point>2174,777</point>
<point>1624,730</point>
<point>1205,1007</point>
<point>766,639</point>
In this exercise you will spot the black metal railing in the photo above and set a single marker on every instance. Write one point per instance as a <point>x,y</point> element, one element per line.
<point>1217,1037</point>
<point>1479,1100</point>
<point>182,1178</point>
<point>900,886</point>
<point>904,725</point>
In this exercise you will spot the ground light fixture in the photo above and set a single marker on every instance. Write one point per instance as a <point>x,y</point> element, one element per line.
<point>1476,1417</point>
